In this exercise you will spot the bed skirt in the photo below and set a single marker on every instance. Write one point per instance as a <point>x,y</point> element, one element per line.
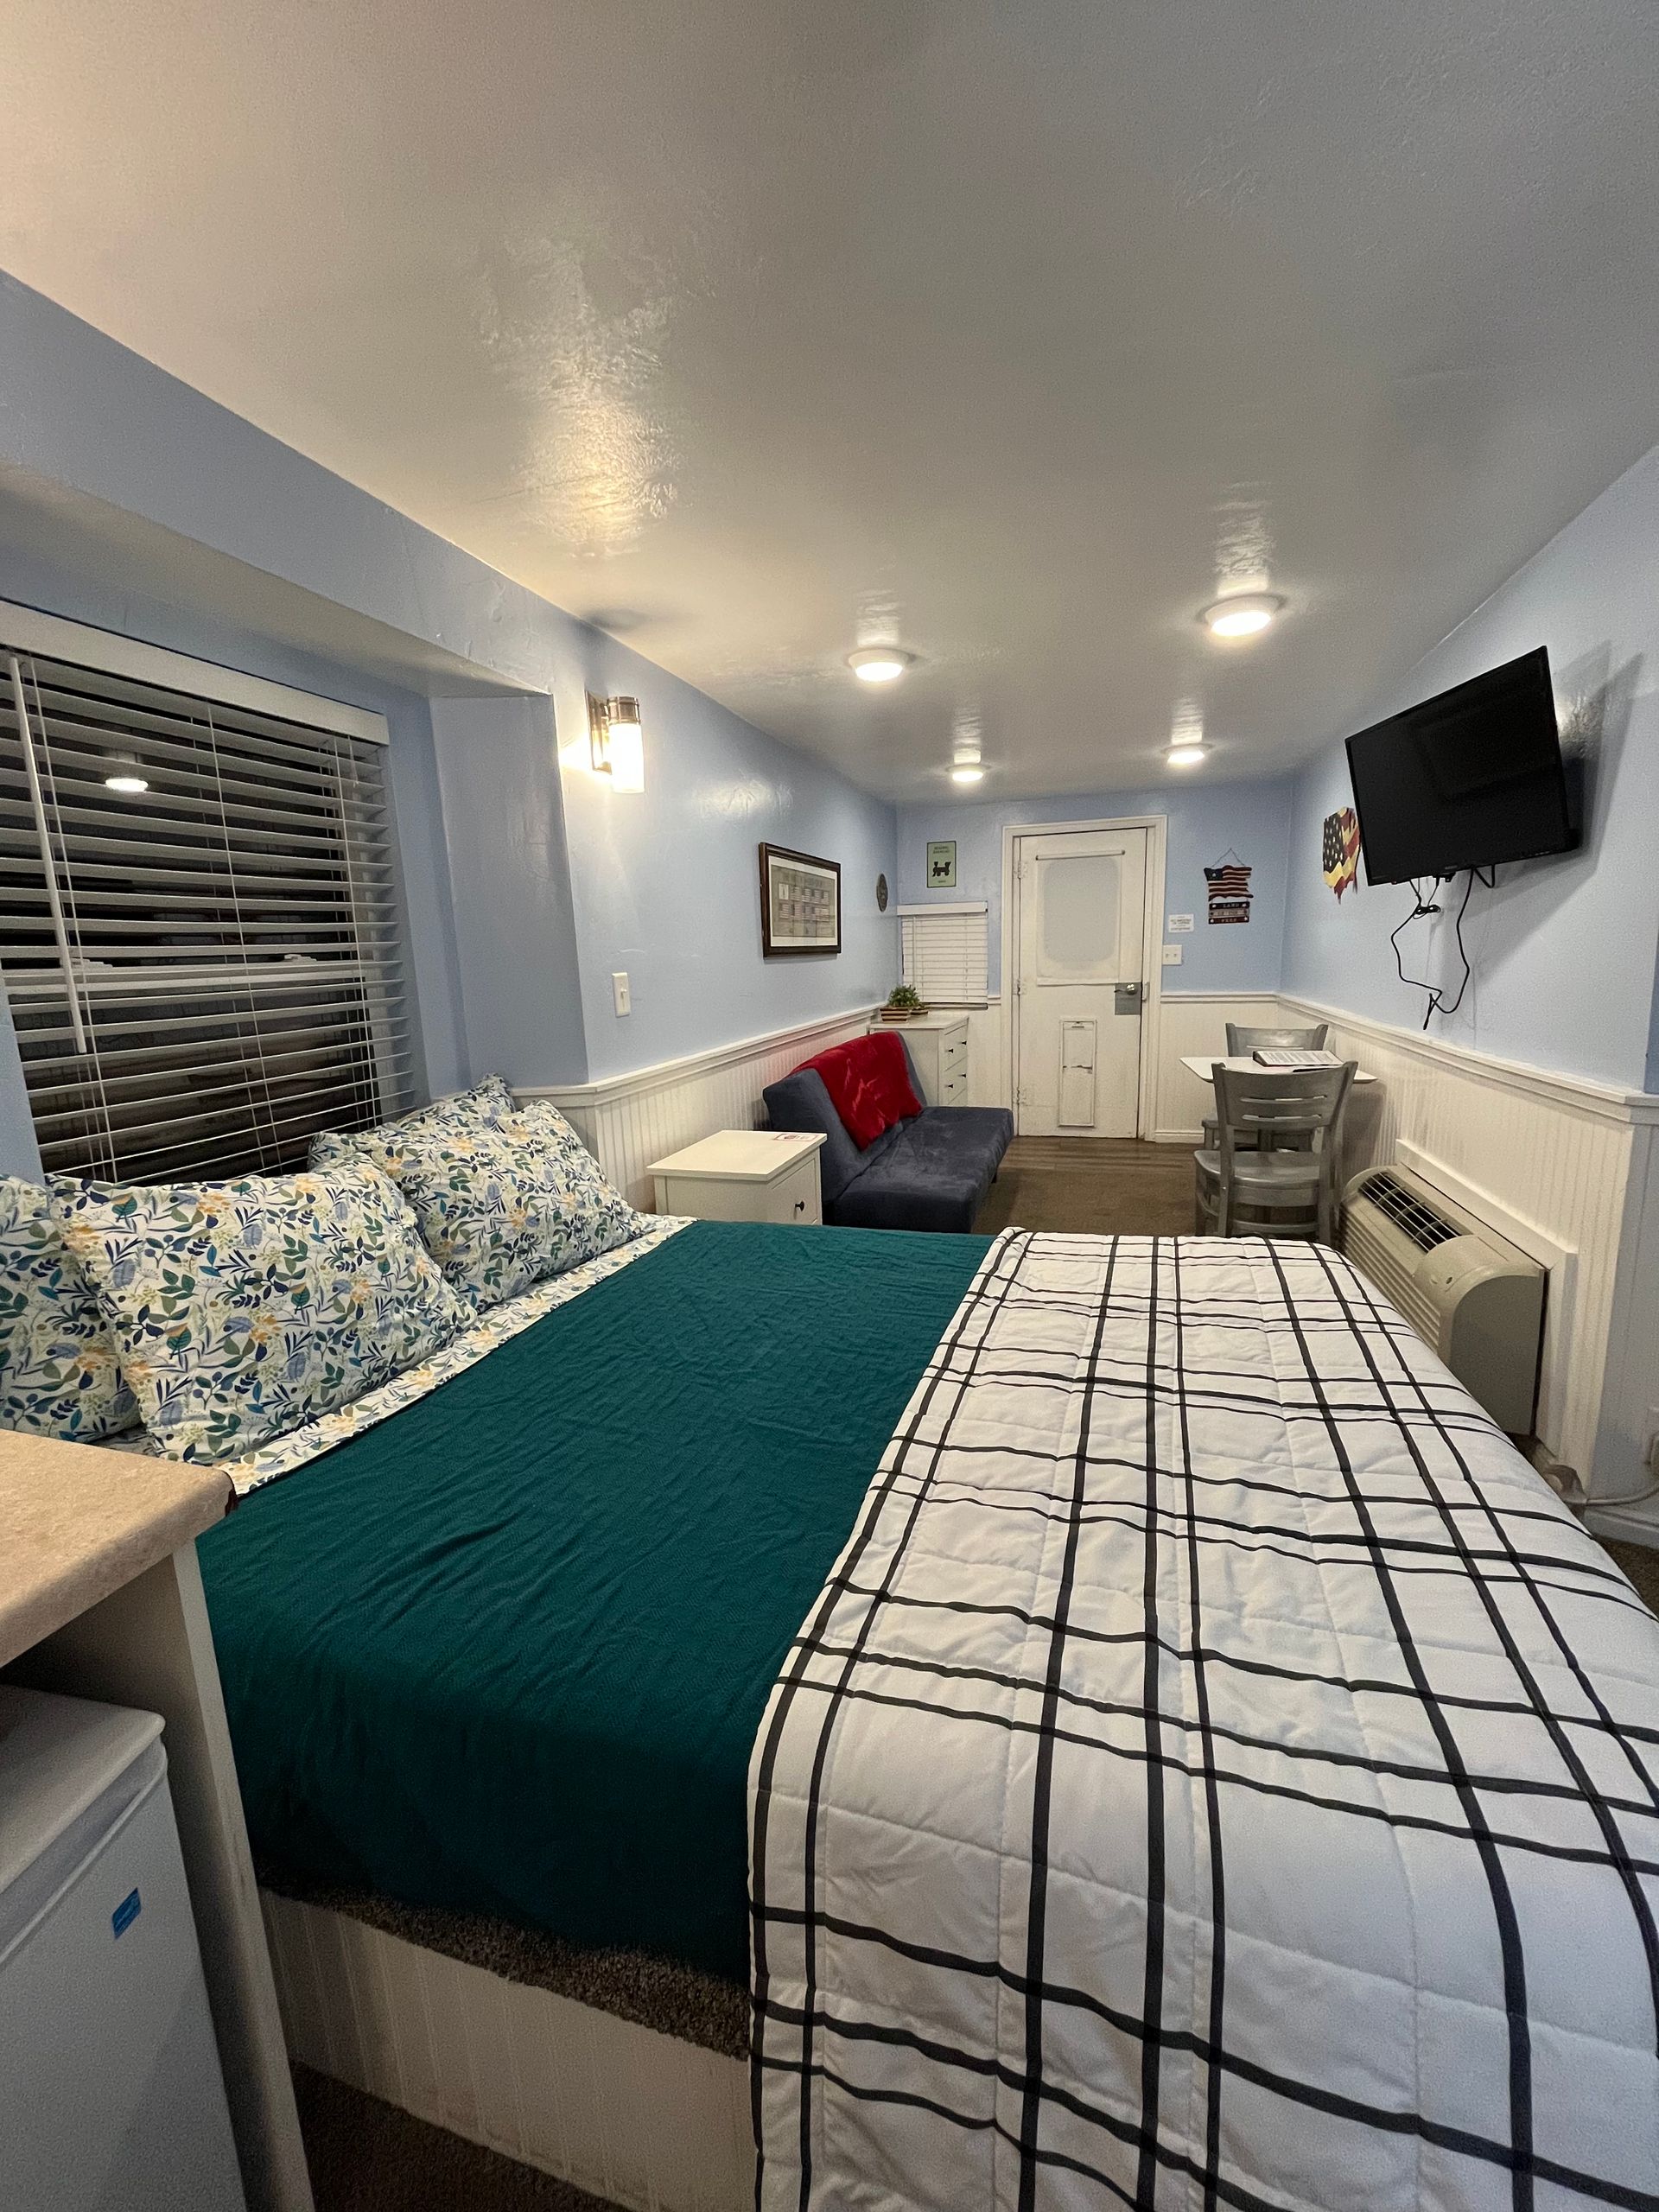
<point>638,2117</point>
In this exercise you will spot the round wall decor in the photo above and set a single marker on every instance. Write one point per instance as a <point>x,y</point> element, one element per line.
<point>882,894</point>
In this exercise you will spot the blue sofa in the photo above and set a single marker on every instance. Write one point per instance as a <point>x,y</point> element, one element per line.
<point>930,1171</point>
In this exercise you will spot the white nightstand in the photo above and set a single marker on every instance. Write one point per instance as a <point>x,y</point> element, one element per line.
<point>743,1175</point>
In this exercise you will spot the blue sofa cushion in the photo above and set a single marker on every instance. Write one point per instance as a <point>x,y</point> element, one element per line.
<point>931,1172</point>
<point>800,1102</point>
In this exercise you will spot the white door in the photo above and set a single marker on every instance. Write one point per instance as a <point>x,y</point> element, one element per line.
<point>1080,930</point>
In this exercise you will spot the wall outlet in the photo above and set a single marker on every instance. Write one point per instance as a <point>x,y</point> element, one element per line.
<point>1172,956</point>
<point>621,992</point>
<point>1180,925</point>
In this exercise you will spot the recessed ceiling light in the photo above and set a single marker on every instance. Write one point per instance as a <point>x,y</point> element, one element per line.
<point>879,664</point>
<point>966,773</point>
<point>1241,614</point>
<point>1185,756</point>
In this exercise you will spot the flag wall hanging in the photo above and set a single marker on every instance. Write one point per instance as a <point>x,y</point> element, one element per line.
<point>1228,886</point>
<point>1340,859</point>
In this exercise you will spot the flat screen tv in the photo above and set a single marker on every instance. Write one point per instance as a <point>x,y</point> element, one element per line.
<point>1464,780</point>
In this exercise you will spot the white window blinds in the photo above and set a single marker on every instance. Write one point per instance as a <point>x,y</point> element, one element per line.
<point>945,953</point>
<point>203,972</point>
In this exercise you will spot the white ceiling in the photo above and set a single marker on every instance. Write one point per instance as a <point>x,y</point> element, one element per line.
<point>1011,328</point>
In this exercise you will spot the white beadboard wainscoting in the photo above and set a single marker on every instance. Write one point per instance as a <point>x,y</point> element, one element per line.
<point>1628,1478</point>
<point>1196,1021</point>
<point>635,2118</point>
<point>987,1053</point>
<point>1547,1159</point>
<point>628,1121</point>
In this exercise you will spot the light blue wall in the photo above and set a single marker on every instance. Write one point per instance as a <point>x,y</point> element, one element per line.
<point>667,881</point>
<point>510,942</point>
<point>509,879</point>
<point>1204,821</point>
<point>1564,950</point>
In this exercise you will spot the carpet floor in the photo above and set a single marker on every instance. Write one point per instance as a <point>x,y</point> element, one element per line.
<point>1641,1563</point>
<point>368,2157</point>
<point>1106,1185</point>
<point>365,2155</point>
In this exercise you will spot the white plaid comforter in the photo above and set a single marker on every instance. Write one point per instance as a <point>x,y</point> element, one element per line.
<point>1216,1773</point>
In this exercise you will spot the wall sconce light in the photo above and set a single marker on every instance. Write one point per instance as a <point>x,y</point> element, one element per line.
<point>617,742</point>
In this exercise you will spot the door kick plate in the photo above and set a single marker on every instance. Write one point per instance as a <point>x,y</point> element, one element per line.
<point>1129,997</point>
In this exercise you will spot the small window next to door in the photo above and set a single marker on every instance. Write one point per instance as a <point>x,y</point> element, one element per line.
<point>1078,902</point>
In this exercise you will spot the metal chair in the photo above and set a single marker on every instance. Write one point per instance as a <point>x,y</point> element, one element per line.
<point>1241,1041</point>
<point>1292,1119</point>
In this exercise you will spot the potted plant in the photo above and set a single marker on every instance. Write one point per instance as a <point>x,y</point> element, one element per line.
<point>904,1004</point>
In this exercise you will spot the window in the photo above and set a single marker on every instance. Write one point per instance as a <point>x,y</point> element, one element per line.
<point>202,955</point>
<point>945,953</point>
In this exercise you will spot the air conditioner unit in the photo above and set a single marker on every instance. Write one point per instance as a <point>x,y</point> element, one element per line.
<point>1476,1298</point>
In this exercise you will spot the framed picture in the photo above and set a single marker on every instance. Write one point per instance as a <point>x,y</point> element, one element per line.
<point>800,902</point>
<point>942,864</point>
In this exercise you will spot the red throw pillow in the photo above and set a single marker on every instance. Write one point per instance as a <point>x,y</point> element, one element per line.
<point>868,1083</point>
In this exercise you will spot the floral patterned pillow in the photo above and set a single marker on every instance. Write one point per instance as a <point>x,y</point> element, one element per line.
<point>58,1371</point>
<point>506,1197</point>
<point>387,1145</point>
<point>511,1202</point>
<point>241,1309</point>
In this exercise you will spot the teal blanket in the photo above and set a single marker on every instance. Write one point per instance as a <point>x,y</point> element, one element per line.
<point>507,1652</point>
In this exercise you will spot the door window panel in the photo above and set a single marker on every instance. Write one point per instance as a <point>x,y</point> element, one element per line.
<point>1077,899</point>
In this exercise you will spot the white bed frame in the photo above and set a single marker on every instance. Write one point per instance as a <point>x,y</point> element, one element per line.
<point>632,2115</point>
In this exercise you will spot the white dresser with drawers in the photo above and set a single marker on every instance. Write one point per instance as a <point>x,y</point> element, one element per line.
<point>939,1046</point>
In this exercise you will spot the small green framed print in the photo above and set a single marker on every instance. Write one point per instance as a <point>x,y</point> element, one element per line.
<point>942,865</point>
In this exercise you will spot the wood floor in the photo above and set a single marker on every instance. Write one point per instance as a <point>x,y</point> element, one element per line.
<point>1108,1186</point>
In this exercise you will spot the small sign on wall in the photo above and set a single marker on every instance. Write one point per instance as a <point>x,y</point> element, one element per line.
<point>942,865</point>
<point>1227,887</point>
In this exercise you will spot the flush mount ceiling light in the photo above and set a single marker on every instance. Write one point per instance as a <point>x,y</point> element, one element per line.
<point>966,772</point>
<point>1185,756</point>
<point>879,664</point>
<point>1241,614</point>
<point>616,741</point>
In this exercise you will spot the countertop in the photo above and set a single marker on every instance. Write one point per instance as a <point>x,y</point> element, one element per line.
<point>78,1521</point>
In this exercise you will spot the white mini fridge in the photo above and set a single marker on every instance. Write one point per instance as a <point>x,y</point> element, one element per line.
<point>110,2094</point>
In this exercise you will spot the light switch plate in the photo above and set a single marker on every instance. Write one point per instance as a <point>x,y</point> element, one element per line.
<point>1172,956</point>
<point>1180,925</point>
<point>621,992</point>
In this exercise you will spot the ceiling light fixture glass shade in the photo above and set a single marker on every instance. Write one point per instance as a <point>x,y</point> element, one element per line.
<point>966,773</point>
<point>1185,756</point>
<point>879,664</point>
<point>125,776</point>
<point>1241,614</point>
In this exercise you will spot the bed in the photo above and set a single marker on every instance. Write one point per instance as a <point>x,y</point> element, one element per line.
<point>453,1651</point>
<point>1203,1766</point>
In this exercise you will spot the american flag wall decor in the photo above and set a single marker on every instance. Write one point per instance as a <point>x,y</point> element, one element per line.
<point>1339,858</point>
<point>1228,885</point>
